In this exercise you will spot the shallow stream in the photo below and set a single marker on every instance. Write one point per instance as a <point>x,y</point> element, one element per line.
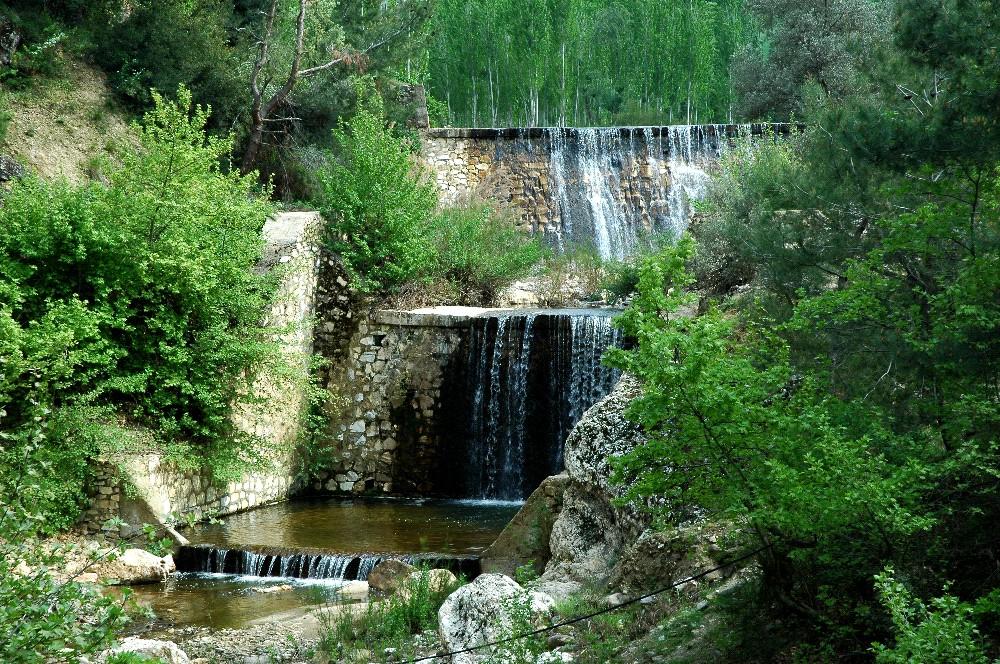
<point>395,527</point>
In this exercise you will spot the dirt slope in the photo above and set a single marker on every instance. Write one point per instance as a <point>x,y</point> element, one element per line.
<point>60,126</point>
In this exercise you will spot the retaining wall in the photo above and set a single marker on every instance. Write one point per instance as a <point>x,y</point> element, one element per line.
<point>146,488</point>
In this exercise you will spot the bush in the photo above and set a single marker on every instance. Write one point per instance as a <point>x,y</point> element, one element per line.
<point>941,634</point>
<point>378,203</point>
<point>43,619</point>
<point>480,251</point>
<point>138,298</point>
<point>390,623</point>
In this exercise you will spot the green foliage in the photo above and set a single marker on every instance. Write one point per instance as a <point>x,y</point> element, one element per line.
<point>943,633</point>
<point>480,251</point>
<point>579,63</point>
<point>808,48</point>
<point>389,623</point>
<point>162,45</point>
<point>136,300</point>
<point>843,407</point>
<point>43,619</point>
<point>5,118</point>
<point>526,573</point>
<point>378,203</point>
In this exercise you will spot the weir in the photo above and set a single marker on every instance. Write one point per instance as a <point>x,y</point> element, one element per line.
<point>518,384</point>
<point>608,188</point>
<point>267,562</point>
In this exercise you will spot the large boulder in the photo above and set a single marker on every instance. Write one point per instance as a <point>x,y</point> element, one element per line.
<point>437,580</point>
<point>525,540</point>
<point>592,529</point>
<point>660,558</point>
<point>486,610</point>
<point>389,576</point>
<point>164,651</point>
<point>136,567</point>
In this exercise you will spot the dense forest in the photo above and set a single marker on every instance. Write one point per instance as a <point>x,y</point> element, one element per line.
<point>833,401</point>
<point>582,63</point>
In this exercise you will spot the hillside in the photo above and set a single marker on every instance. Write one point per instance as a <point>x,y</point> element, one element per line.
<point>62,127</point>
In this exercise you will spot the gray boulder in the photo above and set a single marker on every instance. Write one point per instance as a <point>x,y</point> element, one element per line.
<point>10,169</point>
<point>136,567</point>
<point>481,613</point>
<point>591,531</point>
<point>165,651</point>
<point>525,540</point>
<point>389,576</point>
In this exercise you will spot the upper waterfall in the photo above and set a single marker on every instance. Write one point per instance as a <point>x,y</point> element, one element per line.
<point>609,188</point>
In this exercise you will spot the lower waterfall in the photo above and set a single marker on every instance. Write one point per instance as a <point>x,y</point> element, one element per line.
<point>522,383</point>
<point>303,564</point>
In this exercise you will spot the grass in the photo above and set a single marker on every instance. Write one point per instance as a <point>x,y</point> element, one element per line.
<point>385,630</point>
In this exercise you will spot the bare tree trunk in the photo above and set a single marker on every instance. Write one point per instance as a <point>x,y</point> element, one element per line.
<point>262,105</point>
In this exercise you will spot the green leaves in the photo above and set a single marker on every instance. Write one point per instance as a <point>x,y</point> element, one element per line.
<point>136,300</point>
<point>480,250</point>
<point>378,204</point>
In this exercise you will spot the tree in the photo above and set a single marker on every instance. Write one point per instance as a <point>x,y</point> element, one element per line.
<point>316,45</point>
<point>827,42</point>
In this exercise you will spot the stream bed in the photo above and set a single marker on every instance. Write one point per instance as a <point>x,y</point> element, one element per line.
<point>361,528</point>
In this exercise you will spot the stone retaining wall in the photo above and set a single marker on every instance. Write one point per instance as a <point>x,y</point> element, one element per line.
<point>541,172</point>
<point>385,440</point>
<point>146,488</point>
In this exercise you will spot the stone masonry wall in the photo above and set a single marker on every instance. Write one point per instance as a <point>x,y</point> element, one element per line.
<point>145,488</point>
<point>385,440</point>
<point>516,167</point>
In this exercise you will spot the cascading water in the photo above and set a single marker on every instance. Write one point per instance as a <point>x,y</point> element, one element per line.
<point>610,187</point>
<point>317,565</point>
<point>526,379</point>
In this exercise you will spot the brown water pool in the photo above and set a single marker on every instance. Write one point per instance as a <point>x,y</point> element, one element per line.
<point>372,526</point>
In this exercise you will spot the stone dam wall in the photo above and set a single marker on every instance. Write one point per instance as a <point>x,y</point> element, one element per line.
<point>603,187</point>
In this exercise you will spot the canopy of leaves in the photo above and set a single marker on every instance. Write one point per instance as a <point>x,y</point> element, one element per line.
<point>581,62</point>
<point>378,204</point>
<point>840,399</point>
<point>138,298</point>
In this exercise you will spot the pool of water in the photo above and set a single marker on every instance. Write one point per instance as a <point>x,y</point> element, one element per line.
<point>373,526</point>
<point>226,601</point>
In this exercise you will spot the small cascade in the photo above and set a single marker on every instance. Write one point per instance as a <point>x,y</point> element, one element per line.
<point>306,564</point>
<point>525,381</point>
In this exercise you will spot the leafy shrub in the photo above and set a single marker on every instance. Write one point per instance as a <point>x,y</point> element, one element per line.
<point>378,203</point>
<point>943,633</point>
<point>389,623</point>
<point>43,619</point>
<point>480,251</point>
<point>139,297</point>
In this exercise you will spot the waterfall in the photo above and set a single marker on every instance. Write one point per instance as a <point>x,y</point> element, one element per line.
<point>612,187</point>
<point>524,382</point>
<point>320,565</point>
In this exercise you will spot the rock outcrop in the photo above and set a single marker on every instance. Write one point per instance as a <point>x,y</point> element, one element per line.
<point>481,612</point>
<point>136,567</point>
<point>525,540</point>
<point>591,532</point>
<point>161,651</point>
